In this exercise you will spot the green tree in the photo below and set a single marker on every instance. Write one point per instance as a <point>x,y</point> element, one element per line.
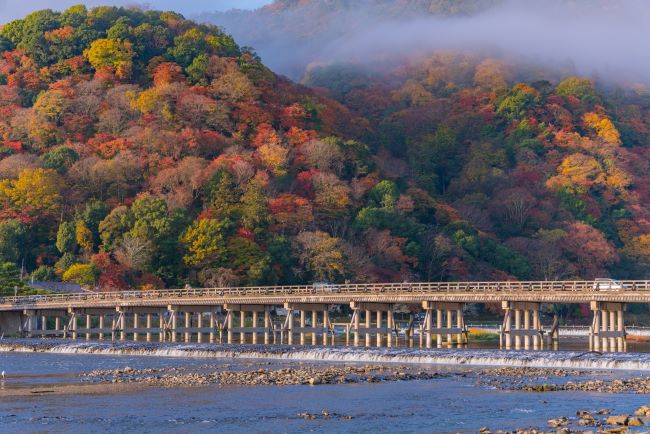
<point>12,240</point>
<point>118,222</point>
<point>436,159</point>
<point>60,159</point>
<point>66,237</point>
<point>10,279</point>
<point>43,274</point>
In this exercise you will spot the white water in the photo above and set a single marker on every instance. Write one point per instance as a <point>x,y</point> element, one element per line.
<point>563,359</point>
<point>573,331</point>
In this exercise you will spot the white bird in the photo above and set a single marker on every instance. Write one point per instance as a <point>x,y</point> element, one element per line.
<point>3,375</point>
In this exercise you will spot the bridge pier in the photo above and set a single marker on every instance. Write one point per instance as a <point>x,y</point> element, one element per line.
<point>379,331</point>
<point>254,330</point>
<point>607,331</point>
<point>442,310</point>
<point>190,327</point>
<point>527,329</point>
<point>315,329</point>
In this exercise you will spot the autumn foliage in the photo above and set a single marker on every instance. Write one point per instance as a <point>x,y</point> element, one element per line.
<point>140,150</point>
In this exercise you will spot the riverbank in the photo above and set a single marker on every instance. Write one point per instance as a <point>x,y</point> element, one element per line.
<point>400,355</point>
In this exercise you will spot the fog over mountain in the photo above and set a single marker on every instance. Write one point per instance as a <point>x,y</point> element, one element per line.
<point>12,9</point>
<point>598,37</point>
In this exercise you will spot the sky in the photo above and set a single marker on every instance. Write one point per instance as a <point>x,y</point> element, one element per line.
<point>12,9</point>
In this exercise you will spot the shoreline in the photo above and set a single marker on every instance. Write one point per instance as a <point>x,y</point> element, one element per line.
<point>398,355</point>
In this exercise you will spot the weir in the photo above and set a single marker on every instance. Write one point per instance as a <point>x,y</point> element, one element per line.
<point>302,315</point>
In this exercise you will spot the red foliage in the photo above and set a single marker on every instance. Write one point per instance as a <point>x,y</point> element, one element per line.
<point>101,260</point>
<point>305,183</point>
<point>15,146</point>
<point>296,136</point>
<point>246,233</point>
<point>293,116</point>
<point>166,73</point>
<point>112,279</point>
<point>266,135</point>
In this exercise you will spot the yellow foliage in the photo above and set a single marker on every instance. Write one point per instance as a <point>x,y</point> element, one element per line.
<point>639,248</point>
<point>577,173</point>
<point>275,157</point>
<point>604,127</point>
<point>83,236</point>
<point>111,53</point>
<point>35,190</point>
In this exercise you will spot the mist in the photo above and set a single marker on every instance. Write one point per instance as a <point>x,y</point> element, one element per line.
<point>604,38</point>
<point>13,9</point>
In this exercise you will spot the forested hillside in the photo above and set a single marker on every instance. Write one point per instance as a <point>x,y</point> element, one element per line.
<point>142,150</point>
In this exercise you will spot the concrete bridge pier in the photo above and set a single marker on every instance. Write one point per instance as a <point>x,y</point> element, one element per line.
<point>316,328</point>
<point>243,311</point>
<point>141,322</point>
<point>379,330</point>
<point>186,321</point>
<point>29,322</point>
<point>607,331</point>
<point>455,324</point>
<point>527,325</point>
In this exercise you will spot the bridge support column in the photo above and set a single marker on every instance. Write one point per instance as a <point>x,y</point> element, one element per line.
<point>213,326</point>
<point>199,326</point>
<point>136,325</point>
<point>100,335</point>
<point>29,322</point>
<point>173,328</point>
<point>607,331</point>
<point>525,328</point>
<point>243,329</point>
<point>43,326</point>
<point>390,323</point>
<point>149,327</point>
<point>229,325</point>
<point>315,328</point>
<point>368,324</point>
<point>326,326</point>
<point>302,327</point>
<point>379,330</point>
<point>89,326</point>
<point>267,324</point>
<point>242,326</point>
<point>443,310</point>
<point>162,329</point>
<point>73,324</point>
<point>356,320</point>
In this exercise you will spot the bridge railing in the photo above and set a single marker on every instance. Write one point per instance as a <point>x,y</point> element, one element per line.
<point>332,289</point>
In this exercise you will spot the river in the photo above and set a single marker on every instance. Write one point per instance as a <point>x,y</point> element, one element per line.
<point>455,402</point>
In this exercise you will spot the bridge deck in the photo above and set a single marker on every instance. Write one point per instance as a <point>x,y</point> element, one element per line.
<point>633,291</point>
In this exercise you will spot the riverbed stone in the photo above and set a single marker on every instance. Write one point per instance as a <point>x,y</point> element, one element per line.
<point>588,420</point>
<point>617,420</point>
<point>556,423</point>
<point>635,421</point>
<point>643,411</point>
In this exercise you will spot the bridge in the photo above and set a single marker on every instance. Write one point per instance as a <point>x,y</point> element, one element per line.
<point>269,314</point>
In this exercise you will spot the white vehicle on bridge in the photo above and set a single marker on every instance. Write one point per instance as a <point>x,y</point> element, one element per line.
<point>324,286</point>
<point>603,284</point>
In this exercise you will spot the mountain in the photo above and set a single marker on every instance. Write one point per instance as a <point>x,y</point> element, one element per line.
<point>140,149</point>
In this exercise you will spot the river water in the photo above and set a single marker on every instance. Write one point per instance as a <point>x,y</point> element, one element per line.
<point>454,403</point>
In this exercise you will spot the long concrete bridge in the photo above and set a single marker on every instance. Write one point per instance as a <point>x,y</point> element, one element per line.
<point>268,314</point>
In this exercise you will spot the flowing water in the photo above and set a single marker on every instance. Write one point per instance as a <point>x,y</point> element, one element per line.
<point>452,403</point>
